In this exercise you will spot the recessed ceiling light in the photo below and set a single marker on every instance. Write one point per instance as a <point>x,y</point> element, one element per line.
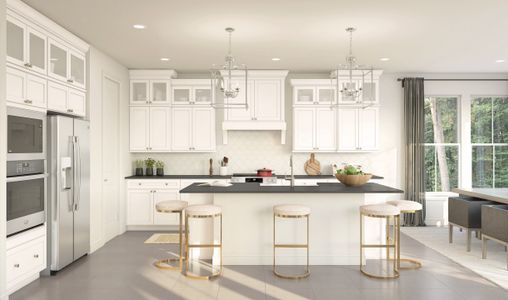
<point>500,61</point>
<point>384,59</point>
<point>276,59</point>
<point>139,26</point>
<point>165,59</point>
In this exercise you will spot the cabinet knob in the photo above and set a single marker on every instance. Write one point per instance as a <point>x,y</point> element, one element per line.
<point>16,265</point>
<point>139,183</point>
<point>70,80</point>
<point>28,65</point>
<point>36,255</point>
<point>28,101</point>
<point>70,110</point>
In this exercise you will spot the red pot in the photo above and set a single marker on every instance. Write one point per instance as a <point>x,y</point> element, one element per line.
<point>264,172</point>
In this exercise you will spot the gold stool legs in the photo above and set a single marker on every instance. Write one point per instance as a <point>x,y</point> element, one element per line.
<point>188,246</point>
<point>306,246</point>
<point>165,264</point>
<point>412,264</point>
<point>390,244</point>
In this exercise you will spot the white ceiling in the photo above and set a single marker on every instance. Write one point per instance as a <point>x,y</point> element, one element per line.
<point>308,35</point>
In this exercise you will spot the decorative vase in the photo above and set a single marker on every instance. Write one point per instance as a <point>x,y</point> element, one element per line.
<point>149,171</point>
<point>160,171</point>
<point>223,171</point>
<point>139,171</point>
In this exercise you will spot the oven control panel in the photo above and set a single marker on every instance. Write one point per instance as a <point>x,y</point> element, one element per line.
<point>25,167</point>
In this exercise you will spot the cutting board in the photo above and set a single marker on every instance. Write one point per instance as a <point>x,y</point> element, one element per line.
<point>312,166</point>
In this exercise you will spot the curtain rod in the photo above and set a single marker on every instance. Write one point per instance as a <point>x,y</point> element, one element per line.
<point>461,79</point>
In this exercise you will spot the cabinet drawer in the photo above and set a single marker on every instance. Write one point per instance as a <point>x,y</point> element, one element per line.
<point>25,260</point>
<point>153,184</point>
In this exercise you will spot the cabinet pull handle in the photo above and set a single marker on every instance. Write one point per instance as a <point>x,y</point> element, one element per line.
<point>70,110</point>
<point>139,183</point>
<point>70,80</point>
<point>16,265</point>
<point>28,101</point>
<point>28,65</point>
<point>36,255</point>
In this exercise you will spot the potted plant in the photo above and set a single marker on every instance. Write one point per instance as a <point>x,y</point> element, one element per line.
<point>139,167</point>
<point>159,165</point>
<point>352,176</point>
<point>149,163</point>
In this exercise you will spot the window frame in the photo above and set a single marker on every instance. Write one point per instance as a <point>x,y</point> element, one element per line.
<point>458,144</point>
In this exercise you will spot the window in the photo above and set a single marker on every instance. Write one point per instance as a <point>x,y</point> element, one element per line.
<point>441,137</point>
<point>489,141</point>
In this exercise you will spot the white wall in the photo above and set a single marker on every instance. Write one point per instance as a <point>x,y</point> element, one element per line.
<point>251,150</point>
<point>101,65</point>
<point>3,149</point>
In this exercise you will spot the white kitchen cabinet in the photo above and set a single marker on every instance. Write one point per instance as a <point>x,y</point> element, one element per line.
<point>191,91</point>
<point>26,47</point>
<point>67,100</point>
<point>150,129</point>
<point>140,92</point>
<point>140,207</point>
<point>240,113</point>
<point>313,92</point>
<point>153,92</point>
<point>358,129</point>
<point>25,88</point>
<point>314,129</point>
<point>193,129</point>
<point>66,65</point>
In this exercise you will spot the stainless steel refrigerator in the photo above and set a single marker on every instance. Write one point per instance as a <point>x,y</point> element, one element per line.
<point>69,190</point>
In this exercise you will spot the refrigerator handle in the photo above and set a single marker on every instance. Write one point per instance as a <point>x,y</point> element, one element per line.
<point>77,157</point>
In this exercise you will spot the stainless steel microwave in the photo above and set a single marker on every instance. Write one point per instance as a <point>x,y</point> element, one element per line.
<point>26,134</point>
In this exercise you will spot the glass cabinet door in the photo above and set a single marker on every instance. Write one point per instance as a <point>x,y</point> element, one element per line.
<point>36,51</point>
<point>304,95</point>
<point>326,95</point>
<point>182,95</point>
<point>159,90</point>
<point>139,92</point>
<point>57,61</point>
<point>369,91</point>
<point>77,70</point>
<point>203,95</point>
<point>15,42</point>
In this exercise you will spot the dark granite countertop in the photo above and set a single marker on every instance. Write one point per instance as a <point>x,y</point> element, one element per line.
<point>229,176</point>
<point>338,188</point>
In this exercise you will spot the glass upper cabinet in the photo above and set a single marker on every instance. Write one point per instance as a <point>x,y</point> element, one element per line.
<point>203,95</point>
<point>77,70</point>
<point>57,61</point>
<point>369,91</point>
<point>139,92</point>
<point>326,95</point>
<point>304,95</point>
<point>36,51</point>
<point>159,91</point>
<point>15,41</point>
<point>182,95</point>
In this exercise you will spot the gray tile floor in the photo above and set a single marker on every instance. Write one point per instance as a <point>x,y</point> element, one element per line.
<point>123,269</point>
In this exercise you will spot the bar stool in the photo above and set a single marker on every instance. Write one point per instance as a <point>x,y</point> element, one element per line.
<point>390,213</point>
<point>291,211</point>
<point>407,207</point>
<point>172,206</point>
<point>200,212</point>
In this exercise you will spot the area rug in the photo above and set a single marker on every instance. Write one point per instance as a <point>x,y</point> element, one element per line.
<point>163,238</point>
<point>493,268</point>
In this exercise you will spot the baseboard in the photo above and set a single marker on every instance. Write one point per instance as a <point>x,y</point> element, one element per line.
<point>152,227</point>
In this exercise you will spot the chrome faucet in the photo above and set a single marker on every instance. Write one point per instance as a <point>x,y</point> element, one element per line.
<point>292,177</point>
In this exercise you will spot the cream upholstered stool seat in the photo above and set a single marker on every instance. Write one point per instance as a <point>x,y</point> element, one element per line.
<point>389,213</point>
<point>407,207</point>
<point>202,211</point>
<point>172,206</point>
<point>291,211</point>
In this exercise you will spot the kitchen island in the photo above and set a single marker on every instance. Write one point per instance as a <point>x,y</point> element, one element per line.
<point>247,210</point>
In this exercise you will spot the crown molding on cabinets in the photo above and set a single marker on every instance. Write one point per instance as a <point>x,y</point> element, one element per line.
<point>21,10</point>
<point>152,74</point>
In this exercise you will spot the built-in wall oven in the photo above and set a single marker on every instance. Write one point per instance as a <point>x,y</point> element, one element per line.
<point>26,134</point>
<point>26,194</point>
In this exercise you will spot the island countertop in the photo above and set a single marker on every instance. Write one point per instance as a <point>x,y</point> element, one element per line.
<point>326,188</point>
<point>496,195</point>
<point>375,177</point>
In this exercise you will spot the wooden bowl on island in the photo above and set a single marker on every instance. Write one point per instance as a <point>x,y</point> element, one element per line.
<point>353,180</point>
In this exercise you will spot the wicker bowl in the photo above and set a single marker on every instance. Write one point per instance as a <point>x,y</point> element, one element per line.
<point>353,180</point>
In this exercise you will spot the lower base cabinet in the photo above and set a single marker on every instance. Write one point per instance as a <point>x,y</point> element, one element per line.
<point>25,257</point>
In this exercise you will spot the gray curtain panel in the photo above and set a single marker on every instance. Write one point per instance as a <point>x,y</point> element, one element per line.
<point>414,118</point>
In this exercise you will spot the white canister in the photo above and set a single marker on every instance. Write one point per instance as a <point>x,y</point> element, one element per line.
<point>223,171</point>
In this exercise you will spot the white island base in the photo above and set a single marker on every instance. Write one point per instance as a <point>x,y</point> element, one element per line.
<point>334,228</point>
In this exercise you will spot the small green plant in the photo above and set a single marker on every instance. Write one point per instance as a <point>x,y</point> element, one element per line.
<point>159,164</point>
<point>350,170</point>
<point>150,162</point>
<point>139,163</point>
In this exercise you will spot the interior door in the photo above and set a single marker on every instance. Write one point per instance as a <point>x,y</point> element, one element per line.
<point>82,186</point>
<point>139,128</point>
<point>110,158</point>
<point>160,128</point>
<point>303,129</point>
<point>326,132</point>
<point>203,129</point>
<point>267,100</point>
<point>348,129</point>
<point>181,127</point>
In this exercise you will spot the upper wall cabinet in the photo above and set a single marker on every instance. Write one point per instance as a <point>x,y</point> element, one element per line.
<point>25,89</point>
<point>358,129</point>
<point>151,87</point>
<point>191,91</point>
<point>66,64</point>
<point>26,47</point>
<point>313,92</point>
<point>264,94</point>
